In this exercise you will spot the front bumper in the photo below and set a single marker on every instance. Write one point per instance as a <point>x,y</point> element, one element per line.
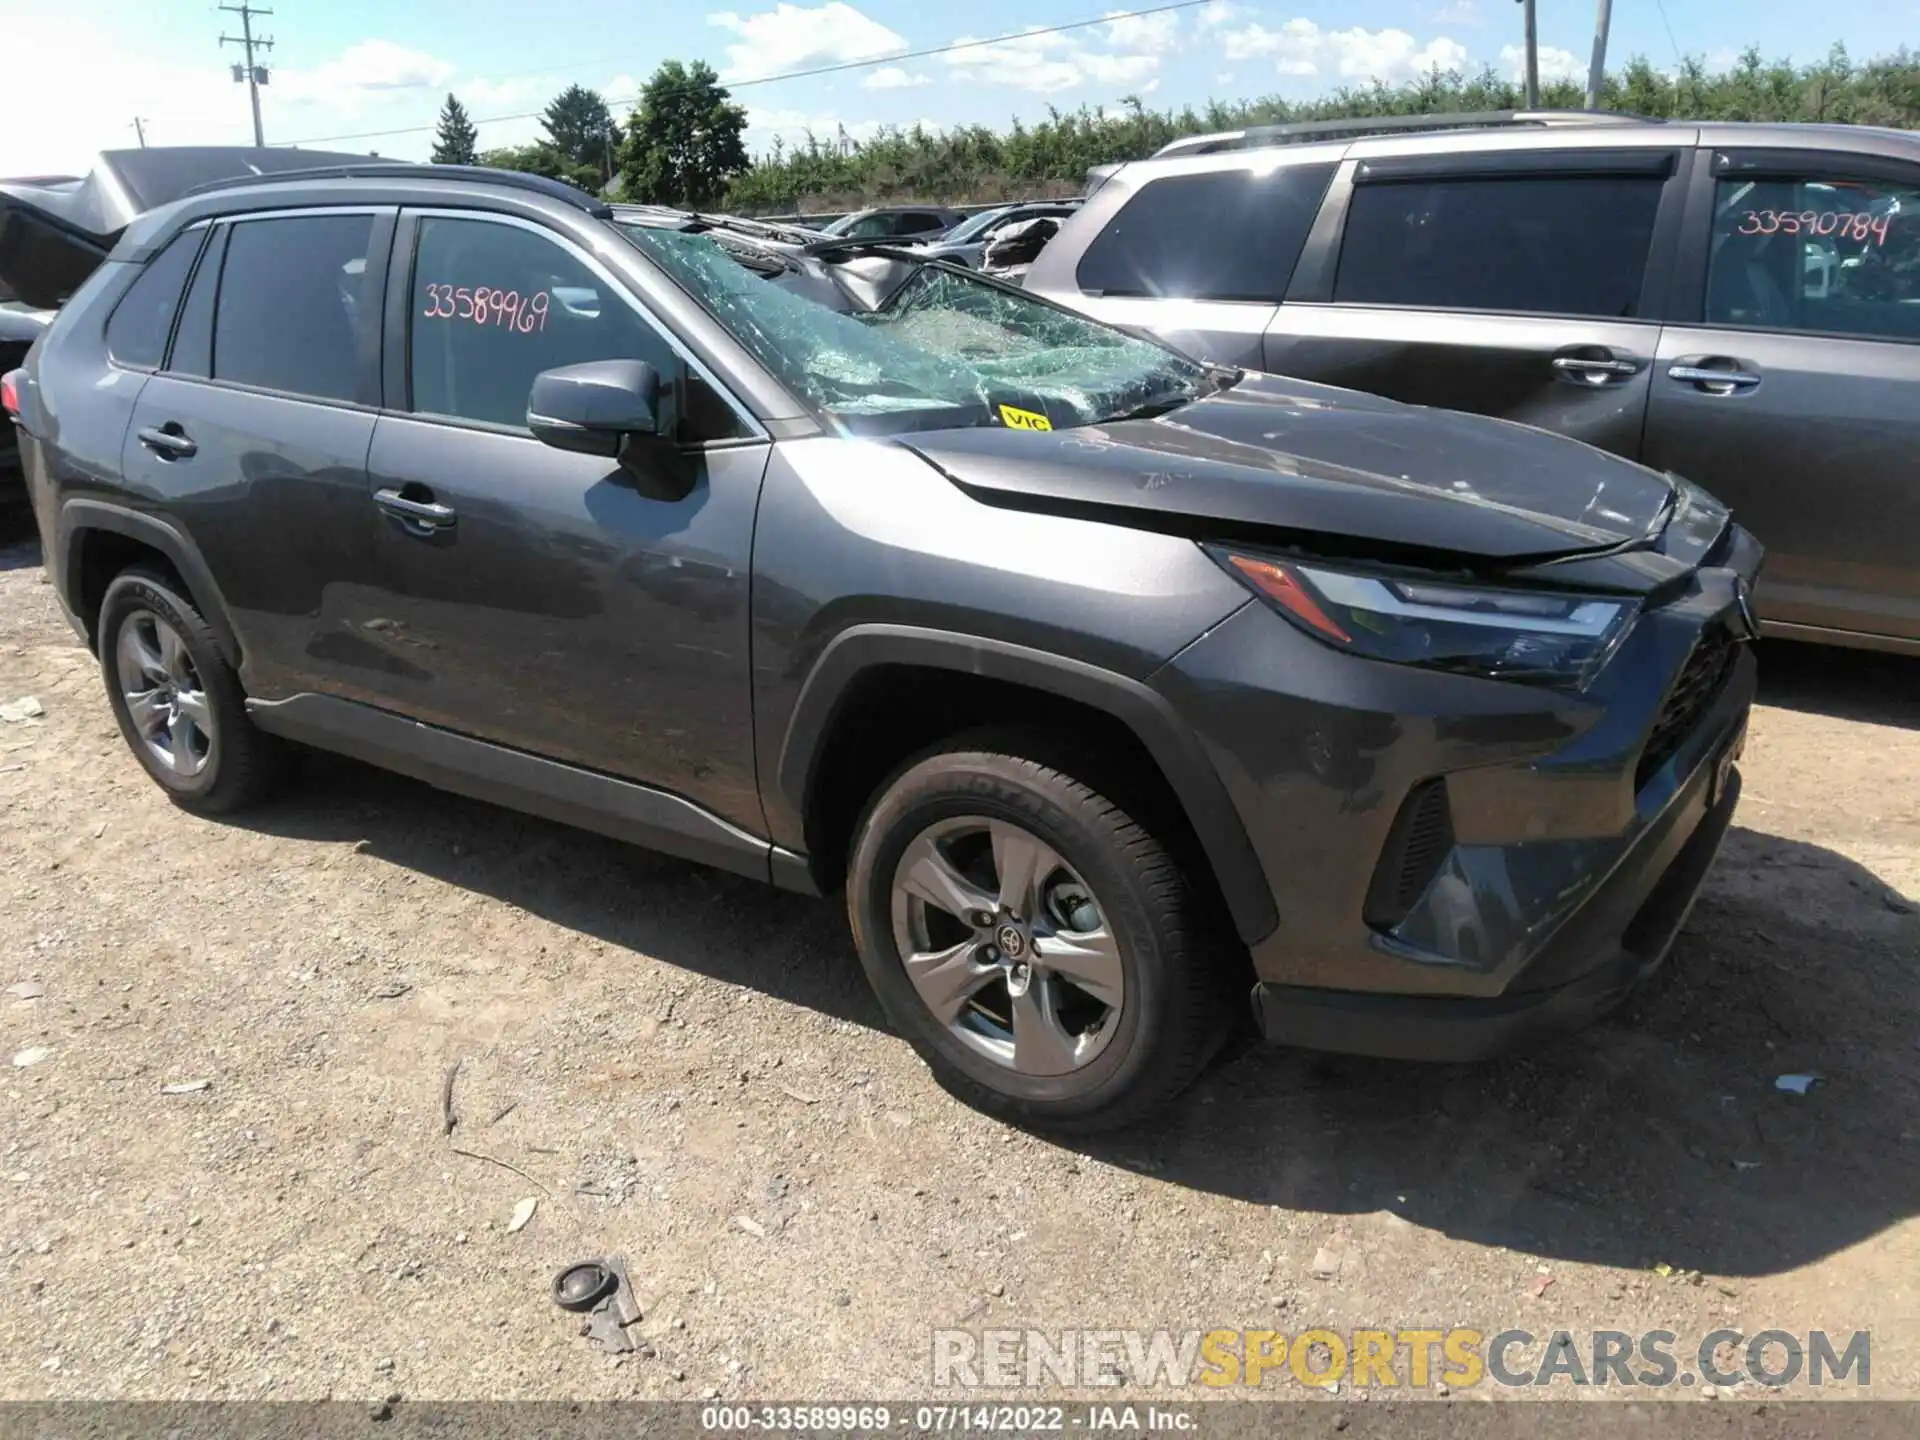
<point>1574,830</point>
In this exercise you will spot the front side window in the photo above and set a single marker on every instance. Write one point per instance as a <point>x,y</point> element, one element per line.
<point>947,349</point>
<point>137,333</point>
<point>1222,235</point>
<point>494,305</point>
<point>1832,256</point>
<point>292,307</point>
<point>1540,245</point>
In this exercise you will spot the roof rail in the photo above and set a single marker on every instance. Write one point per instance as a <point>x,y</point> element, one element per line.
<point>1305,131</point>
<point>407,170</point>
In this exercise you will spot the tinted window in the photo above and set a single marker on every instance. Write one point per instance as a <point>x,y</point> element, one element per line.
<point>494,305</point>
<point>291,305</point>
<point>193,337</point>
<point>1228,235</point>
<point>918,223</point>
<point>137,333</point>
<point>1543,245</point>
<point>1832,255</point>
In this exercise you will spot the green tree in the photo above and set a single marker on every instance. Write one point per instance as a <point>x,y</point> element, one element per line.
<point>453,142</point>
<point>582,134</point>
<point>538,158</point>
<point>685,139</point>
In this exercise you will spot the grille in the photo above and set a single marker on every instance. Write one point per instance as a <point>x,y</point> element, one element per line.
<point>1701,680</point>
<point>1421,836</point>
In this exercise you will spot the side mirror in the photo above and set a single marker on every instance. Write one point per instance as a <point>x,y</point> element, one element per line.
<point>594,407</point>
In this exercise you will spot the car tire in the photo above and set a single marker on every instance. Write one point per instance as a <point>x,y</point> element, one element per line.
<point>1131,1057</point>
<point>162,666</point>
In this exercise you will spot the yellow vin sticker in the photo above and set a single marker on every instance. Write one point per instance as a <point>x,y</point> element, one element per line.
<point>1023,419</point>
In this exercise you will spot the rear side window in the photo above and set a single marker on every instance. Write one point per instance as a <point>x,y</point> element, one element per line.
<point>193,336</point>
<point>1829,255</point>
<point>291,309</point>
<point>1546,245</point>
<point>137,333</point>
<point>1227,235</point>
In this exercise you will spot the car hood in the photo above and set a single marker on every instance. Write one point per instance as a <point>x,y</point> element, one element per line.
<point>1299,463</point>
<point>56,229</point>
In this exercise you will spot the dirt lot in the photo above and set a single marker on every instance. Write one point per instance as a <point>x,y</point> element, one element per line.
<point>688,1069</point>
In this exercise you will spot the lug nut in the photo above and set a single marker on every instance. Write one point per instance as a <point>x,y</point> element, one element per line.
<point>981,919</point>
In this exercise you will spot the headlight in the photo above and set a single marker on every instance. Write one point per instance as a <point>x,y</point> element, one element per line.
<point>1537,636</point>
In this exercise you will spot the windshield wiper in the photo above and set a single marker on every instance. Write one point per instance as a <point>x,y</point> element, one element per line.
<point>1216,379</point>
<point>888,248</point>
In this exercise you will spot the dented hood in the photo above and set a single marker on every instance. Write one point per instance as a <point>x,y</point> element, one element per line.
<point>1301,463</point>
<point>56,229</point>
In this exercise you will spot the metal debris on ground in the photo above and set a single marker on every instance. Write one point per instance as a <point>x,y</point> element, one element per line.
<point>599,1289</point>
<point>1796,1084</point>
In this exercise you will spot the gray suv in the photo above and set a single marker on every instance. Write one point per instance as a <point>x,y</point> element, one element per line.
<point>1738,304</point>
<point>1112,688</point>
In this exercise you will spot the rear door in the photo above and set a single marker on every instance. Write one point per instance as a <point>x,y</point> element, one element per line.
<point>254,435</point>
<point>1524,283</point>
<point>1791,389</point>
<point>559,603</point>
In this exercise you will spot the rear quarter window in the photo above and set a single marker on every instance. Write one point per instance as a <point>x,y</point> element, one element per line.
<point>1223,235</point>
<point>137,333</point>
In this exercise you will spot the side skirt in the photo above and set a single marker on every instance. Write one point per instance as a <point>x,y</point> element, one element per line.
<point>445,760</point>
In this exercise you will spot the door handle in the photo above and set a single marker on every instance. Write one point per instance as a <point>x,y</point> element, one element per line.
<point>422,517</point>
<point>1713,379</point>
<point>168,441</point>
<point>1594,372</point>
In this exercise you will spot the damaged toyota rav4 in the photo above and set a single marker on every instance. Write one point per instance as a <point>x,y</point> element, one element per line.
<point>1112,688</point>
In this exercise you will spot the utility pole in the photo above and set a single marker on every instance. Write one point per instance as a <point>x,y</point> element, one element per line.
<point>1597,71</point>
<point>140,129</point>
<point>1533,55</point>
<point>254,75</point>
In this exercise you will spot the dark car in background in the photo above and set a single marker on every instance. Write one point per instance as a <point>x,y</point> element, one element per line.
<point>1112,687</point>
<point>966,244</point>
<point>1738,304</point>
<point>892,222</point>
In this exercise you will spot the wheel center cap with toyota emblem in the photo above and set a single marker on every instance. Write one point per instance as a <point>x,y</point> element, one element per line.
<point>1012,942</point>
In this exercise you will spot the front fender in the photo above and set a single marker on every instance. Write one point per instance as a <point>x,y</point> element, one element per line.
<point>1173,746</point>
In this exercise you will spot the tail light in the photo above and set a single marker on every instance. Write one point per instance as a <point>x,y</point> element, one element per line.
<point>10,392</point>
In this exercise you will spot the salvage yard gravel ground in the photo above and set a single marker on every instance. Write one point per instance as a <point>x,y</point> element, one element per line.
<point>228,1173</point>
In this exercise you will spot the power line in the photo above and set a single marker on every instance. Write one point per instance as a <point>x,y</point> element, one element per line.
<point>1678,58</point>
<point>799,74</point>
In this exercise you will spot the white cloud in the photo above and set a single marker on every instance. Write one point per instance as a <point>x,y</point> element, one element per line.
<point>1143,32</point>
<point>1555,63</point>
<point>1302,48</point>
<point>370,66</point>
<point>1460,12</point>
<point>1225,77</point>
<point>794,37</point>
<point>892,77</point>
<point>1049,63</point>
<point>1218,14</point>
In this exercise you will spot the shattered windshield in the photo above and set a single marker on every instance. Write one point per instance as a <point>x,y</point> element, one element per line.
<point>947,349</point>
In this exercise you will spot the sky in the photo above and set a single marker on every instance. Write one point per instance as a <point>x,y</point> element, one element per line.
<point>348,68</point>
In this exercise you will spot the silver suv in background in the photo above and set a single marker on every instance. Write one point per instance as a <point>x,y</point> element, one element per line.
<point>1739,304</point>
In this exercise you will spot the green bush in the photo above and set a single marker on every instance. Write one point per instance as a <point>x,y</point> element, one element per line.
<point>974,163</point>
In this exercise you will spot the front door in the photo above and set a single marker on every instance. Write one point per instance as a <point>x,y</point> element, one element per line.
<point>1793,391</point>
<point>1509,285</point>
<point>559,603</point>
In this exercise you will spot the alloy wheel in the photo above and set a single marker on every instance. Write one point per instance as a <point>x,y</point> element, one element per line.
<point>165,699</point>
<point>1007,945</point>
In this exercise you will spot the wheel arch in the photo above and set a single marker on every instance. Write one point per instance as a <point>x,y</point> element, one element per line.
<point>95,540</point>
<point>836,703</point>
